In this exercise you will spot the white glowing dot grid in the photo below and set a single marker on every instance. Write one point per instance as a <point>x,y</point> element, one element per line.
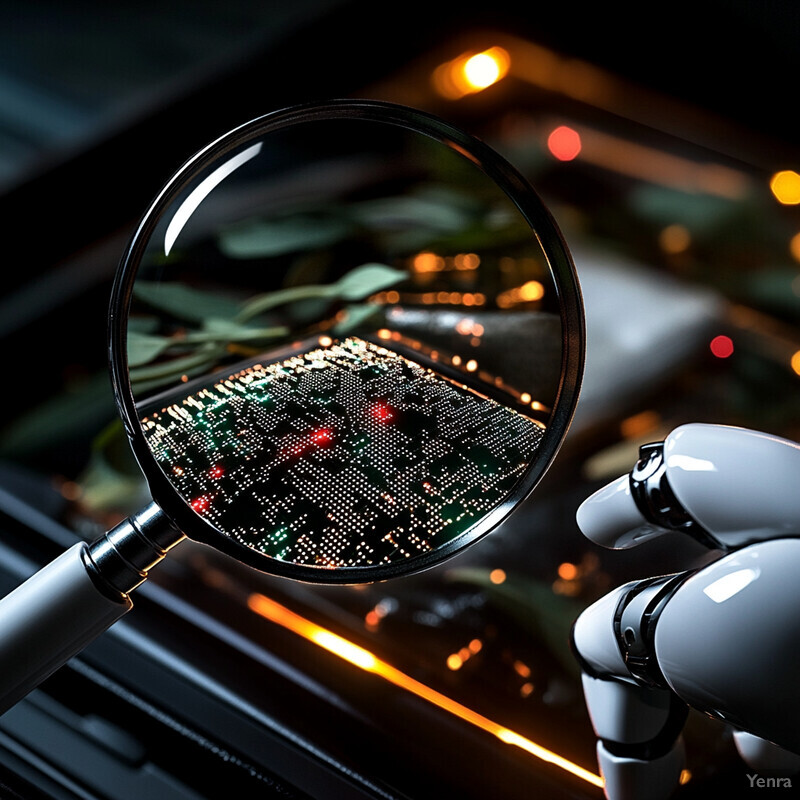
<point>349,455</point>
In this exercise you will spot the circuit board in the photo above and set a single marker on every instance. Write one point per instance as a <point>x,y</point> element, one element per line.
<point>346,455</point>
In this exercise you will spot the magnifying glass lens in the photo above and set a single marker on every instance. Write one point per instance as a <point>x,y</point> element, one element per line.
<point>348,342</point>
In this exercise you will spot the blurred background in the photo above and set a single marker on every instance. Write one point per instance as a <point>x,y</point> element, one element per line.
<point>664,145</point>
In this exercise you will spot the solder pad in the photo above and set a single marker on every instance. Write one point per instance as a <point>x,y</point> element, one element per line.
<point>349,455</point>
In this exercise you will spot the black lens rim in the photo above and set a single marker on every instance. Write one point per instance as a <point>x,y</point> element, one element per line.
<point>494,166</point>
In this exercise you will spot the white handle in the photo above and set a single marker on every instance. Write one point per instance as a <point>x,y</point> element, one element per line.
<point>48,619</point>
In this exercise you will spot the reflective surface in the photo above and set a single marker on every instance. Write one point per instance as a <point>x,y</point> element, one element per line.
<point>353,339</point>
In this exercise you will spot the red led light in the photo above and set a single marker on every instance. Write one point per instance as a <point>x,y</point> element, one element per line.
<point>319,437</point>
<point>322,436</point>
<point>200,504</point>
<point>382,412</point>
<point>722,346</point>
<point>564,143</point>
<point>216,471</point>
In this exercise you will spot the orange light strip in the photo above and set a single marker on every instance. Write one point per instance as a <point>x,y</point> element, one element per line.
<point>365,660</point>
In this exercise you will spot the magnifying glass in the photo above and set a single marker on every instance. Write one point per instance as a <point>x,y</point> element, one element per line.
<point>346,340</point>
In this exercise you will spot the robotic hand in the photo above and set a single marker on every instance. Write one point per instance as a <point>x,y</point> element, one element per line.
<point>723,639</point>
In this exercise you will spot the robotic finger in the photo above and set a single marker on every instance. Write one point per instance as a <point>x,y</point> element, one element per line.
<point>723,639</point>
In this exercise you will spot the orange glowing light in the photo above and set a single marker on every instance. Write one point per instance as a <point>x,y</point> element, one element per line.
<point>471,72</point>
<point>785,185</point>
<point>564,143</point>
<point>522,669</point>
<point>795,362</point>
<point>794,247</point>
<point>454,662</point>
<point>427,262</point>
<point>722,346</point>
<point>482,70</point>
<point>365,660</point>
<point>640,424</point>
<point>497,576</point>
<point>467,261</point>
<point>567,571</point>
<point>531,290</point>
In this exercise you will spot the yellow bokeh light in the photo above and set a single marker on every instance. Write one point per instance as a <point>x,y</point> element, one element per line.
<point>785,185</point>
<point>481,70</point>
<point>471,72</point>
<point>796,362</point>
<point>531,290</point>
<point>454,662</point>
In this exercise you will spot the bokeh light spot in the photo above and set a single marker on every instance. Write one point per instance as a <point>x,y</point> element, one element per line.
<point>722,346</point>
<point>674,239</point>
<point>564,143</point>
<point>785,185</point>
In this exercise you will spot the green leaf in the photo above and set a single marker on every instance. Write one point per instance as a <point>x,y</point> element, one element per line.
<point>144,347</point>
<point>185,302</point>
<point>142,323</point>
<point>367,279</point>
<point>437,213</point>
<point>264,302</point>
<point>355,316</point>
<point>225,330</point>
<point>279,236</point>
<point>357,284</point>
<point>205,355</point>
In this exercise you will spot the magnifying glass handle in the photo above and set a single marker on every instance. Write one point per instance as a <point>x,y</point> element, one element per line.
<point>48,619</point>
<point>63,607</point>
